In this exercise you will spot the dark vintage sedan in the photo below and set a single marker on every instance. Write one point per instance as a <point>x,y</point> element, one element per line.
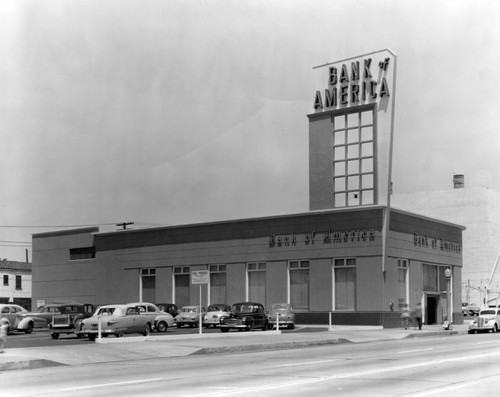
<point>245,316</point>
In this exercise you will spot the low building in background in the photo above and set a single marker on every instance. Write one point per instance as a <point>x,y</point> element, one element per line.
<point>478,209</point>
<point>15,283</point>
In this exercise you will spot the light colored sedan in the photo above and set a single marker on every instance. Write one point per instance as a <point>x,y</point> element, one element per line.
<point>488,320</point>
<point>116,320</point>
<point>189,315</point>
<point>160,320</point>
<point>19,318</point>
<point>284,313</point>
<point>214,313</point>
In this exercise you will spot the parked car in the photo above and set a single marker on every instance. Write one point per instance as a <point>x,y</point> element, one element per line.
<point>47,312</point>
<point>214,313</point>
<point>170,308</point>
<point>285,314</point>
<point>189,315</point>
<point>69,319</point>
<point>245,316</point>
<point>470,309</point>
<point>161,320</point>
<point>19,318</point>
<point>116,320</point>
<point>488,320</point>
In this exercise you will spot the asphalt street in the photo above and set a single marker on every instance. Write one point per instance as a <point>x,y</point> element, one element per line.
<point>456,364</point>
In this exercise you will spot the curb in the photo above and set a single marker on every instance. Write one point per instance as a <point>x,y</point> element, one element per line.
<point>29,364</point>
<point>271,346</point>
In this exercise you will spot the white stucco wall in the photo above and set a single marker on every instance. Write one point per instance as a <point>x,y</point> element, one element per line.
<point>478,209</point>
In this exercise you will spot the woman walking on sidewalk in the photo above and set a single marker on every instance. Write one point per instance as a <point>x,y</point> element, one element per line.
<point>417,314</point>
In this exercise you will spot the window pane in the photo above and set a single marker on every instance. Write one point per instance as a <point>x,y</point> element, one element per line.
<point>345,289</point>
<point>353,119</point>
<point>353,136</point>
<point>353,199</point>
<point>339,122</point>
<point>368,197</point>
<point>339,138</point>
<point>367,181</point>
<point>353,183</point>
<point>367,165</point>
<point>339,184</point>
<point>299,289</point>
<point>339,199</point>
<point>352,151</point>
<point>353,167</point>
<point>218,287</point>
<point>339,262</point>
<point>430,277</point>
<point>257,287</point>
<point>367,134</point>
<point>182,289</point>
<point>367,149</point>
<point>339,153</point>
<point>339,168</point>
<point>367,117</point>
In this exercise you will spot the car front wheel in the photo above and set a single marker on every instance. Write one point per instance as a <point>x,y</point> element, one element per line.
<point>147,330</point>
<point>162,326</point>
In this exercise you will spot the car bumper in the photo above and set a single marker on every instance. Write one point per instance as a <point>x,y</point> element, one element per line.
<point>282,323</point>
<point>483,328</point>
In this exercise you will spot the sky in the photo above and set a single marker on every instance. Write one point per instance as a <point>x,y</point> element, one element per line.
<point>178,111</point>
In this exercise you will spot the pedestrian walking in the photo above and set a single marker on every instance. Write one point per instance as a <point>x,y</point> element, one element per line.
<point>4,330</point>
<point>417,314</point>
<point>405,317</point>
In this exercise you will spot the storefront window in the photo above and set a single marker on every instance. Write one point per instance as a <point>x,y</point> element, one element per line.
<point>345,284</point>
<point>257,282</point>
<point>299,284</point>
<point>181,285</point>
<point>217,283</point>
<point>148,281</point>
<point>354,158</point>
<point>434,278</point>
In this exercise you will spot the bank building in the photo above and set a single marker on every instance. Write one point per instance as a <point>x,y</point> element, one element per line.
<point>350,259</point>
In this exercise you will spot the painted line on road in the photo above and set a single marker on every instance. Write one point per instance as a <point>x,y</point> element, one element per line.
<point>114,384</point>
<point>487,343</point>
<point>444,389</point>
<point>415,351</point>
<point>307,363</point>
<point>254,389</point>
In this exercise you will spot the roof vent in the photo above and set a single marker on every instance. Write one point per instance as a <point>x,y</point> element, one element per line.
<point>458,181</point>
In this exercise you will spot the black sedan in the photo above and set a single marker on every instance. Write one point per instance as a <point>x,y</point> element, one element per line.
<point>245,316</point>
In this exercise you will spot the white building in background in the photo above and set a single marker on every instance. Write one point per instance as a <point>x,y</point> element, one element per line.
<point>478,209</point>
<point>15,283</point>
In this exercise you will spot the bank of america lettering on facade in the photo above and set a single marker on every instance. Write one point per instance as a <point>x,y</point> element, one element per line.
<point>352,127</point>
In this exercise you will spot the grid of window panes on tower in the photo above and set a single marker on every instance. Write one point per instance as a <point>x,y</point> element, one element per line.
<point>353,158</point>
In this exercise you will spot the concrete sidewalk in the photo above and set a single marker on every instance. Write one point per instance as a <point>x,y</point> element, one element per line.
<point>165,345</point>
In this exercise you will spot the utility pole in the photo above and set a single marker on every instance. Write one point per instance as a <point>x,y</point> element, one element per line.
<point>124,224</point>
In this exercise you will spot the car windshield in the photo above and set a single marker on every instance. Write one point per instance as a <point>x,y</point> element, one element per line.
<point>189,309</point>
<point>279,306</point>
<point>218,308</point>
<point>242,308</point>
<point>488,312</point>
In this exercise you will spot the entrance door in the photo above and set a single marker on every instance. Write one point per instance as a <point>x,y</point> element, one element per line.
<point>431,309</point>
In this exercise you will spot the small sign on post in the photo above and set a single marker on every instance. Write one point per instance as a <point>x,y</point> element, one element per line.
<point>200,277</point>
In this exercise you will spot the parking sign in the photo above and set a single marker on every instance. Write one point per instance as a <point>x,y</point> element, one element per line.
<point>200,277</point>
